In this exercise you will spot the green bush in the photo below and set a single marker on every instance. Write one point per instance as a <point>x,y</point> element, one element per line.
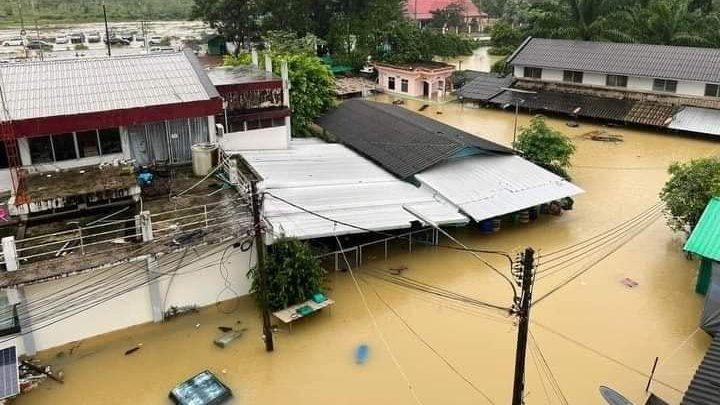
<point>293,275</point>
<point>545,146</point>
<point>690,188</point>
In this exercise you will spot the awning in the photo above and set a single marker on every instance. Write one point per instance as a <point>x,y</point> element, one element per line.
<point>698,120</point>
<point>485,187</point>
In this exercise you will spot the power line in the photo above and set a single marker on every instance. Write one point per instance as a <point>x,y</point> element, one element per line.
<point>427,344</point>
<point>548,371</point>
<point>376,326</point>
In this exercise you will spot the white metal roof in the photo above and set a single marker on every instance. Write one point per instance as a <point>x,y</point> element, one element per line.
<point>76,86</point>
<point>336,182</point>
<point>699,120</point>
<point>489,186</point>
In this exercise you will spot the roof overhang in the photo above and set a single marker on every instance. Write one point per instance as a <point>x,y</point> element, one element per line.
<point>253,86</point>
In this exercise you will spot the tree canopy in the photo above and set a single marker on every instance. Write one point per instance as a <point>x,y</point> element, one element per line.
<point>545,146</point>
<point>690,188</point>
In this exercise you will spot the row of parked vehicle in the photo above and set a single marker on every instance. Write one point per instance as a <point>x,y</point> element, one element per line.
<point>82,38</point>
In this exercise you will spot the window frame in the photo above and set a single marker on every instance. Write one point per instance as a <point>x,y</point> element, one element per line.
<point>665,88</point>
<point>621,78</point>
<point>716,93</point>
<point>573,76</point>
<point>404,85</point>
<point>529,72</point>
<point>76,146</point>
<point>391,82</point>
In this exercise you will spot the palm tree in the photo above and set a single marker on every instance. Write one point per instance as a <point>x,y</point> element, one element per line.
<point>589,20</point>
<point>669,22</point>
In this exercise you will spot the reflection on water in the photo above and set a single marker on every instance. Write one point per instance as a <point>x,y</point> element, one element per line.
<point>479,60</point>
<point>595,331</point>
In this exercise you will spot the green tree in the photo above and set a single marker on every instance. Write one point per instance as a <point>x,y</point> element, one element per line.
<point>590,20</point>
<point>545,146</point>
<point>312,86</point>
<point>504,38</point>
<point>293,275</point>
<point>452,16</point>
<point>690,188</point>
<point>669,22</point>
<point>236,20</point>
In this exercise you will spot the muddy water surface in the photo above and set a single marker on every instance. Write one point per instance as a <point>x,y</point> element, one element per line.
<point>594,331</point>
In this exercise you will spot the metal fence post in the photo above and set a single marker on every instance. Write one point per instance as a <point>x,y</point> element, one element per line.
<point>146,226</point>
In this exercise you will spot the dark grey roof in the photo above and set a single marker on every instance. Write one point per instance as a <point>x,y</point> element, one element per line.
<point>568,103</point>
<point>401,141</point>
<point>484,87</point>
<point>704,388</point>
<point>670,62</point>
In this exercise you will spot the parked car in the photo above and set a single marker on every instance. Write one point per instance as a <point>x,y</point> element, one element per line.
<point>94,37</point>
<point>18,41</point>
<point>162,49</point>
<point>38,44</point>
<point>118,41</point>
<point>139,38</point>
<point>62,39</point>
<point>127,36</point>
<point>155,40</point>
<point>77,38</point>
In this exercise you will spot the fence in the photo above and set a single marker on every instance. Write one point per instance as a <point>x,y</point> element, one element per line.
<point>431,238</point>
<point>175,226</point>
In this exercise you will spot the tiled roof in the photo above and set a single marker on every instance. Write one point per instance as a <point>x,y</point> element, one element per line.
<point>704,388</point>
<point>77,86</point>
<point>705,238</point>
<point>425,7</point>
<point>401,141</point>
<point>661,61</point>
<point>484,86</point>
<point>650,113</point>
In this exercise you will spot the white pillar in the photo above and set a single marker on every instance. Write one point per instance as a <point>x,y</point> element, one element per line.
<point>285,73</point>
<point>254,57</point>
<point>154,289</point>
<point>268,63</point>
<point>10,253</point>
<point>212,133</point>
<point>144,223</point>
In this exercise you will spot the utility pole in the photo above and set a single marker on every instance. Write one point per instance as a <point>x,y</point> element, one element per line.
<point>262,270</point>
<point>526,279</point>
<point>107,31</point>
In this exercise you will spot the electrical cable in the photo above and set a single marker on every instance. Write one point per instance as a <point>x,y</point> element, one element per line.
<point>375,324</point>
<point>548,371</point>
<point>432,349</point>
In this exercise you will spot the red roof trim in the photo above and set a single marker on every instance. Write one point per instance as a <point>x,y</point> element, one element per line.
<point>261,115</point>
<point>115,118</point>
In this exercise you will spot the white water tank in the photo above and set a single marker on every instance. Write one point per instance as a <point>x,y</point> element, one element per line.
<point>204,158</point>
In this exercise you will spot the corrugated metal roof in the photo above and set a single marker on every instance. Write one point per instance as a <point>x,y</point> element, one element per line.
<point>229,75</point>
<point>484,87</point>
<point>705,238</point>
<point>489,186</point>
<point>661,61</point>
<point>336,182</point>
<point>704,388</point>
<point>77,86</point>
<point>569,103</point>
<point>401,141</point>
<point>698,120</point>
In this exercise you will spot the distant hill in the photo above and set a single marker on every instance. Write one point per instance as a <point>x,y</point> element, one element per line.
<point>59,11</point>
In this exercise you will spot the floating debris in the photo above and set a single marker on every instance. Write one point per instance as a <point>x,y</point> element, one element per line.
<point>602,136</point>
<point>397,271</point>
<point>133,350</point>
<point>174,311</point>
<point>630,283</point>
<point>225,328</point>
<point>424,107</point>
<point>362,352</point>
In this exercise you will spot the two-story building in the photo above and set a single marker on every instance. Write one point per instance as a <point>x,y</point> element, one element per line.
<point>663,86</point>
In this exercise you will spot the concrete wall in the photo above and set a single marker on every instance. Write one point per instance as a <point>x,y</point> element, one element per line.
<point>415,84</point>
<point>256,139</point>
<point>687,88</point>
<point>199,282</point>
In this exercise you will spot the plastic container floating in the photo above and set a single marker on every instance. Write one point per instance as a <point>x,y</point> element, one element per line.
<point>524,217</point>
<point>486,226</point>
<point>362,352</point>
<point>496,224</point>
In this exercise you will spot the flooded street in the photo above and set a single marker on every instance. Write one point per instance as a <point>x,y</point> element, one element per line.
<point>593,331</point>
<point>479,60</point>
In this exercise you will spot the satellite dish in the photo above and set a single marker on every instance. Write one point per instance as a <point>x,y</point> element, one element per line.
<point>613,397</point>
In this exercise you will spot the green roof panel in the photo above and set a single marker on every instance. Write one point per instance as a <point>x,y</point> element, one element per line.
<point>705,239</point>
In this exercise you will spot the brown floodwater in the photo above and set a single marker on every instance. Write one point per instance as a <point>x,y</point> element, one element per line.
<point>594,331</point>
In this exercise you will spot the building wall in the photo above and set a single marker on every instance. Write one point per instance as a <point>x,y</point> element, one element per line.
<point>199,282</point>
<point>415,84</point>
<point>688,88</point>
<point>256,139</point>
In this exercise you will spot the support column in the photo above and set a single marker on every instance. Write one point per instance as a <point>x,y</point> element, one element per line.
<point>154,289</point>
<point>17,295</point>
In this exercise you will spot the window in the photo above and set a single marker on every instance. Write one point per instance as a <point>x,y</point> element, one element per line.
<point>88,144</point>
<point>712,90</point>
<point>41,150</point>
<point>110,141</point>
<point>64,147</point>
<point>404,85</point>
<point>616,81</point>
<point>572,76</point>
<point>667,86</point>
<point>532,73</point>
<point>391,83</point>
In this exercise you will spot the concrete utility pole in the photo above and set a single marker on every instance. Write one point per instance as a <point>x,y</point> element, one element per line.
<point>262,270</point>
<point>526,278</point>
<point>107,31</point>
